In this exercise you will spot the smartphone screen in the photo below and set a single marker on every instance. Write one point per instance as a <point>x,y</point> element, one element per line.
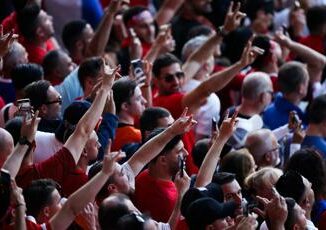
<point>181,165</point>
<point>137,68</point>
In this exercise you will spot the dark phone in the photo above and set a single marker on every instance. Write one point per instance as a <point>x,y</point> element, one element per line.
<point>137,68</point>
<point>181,165</point>
<point>5,185</point>
<point>295,119</point>
<point>249,208</point>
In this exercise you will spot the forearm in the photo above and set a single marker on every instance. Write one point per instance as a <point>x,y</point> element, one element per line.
<point>167,11</point>
<point>219,80</point>
<point>175,215</point>
<point>200,56</point>
<point>101,37</point>
<point>150,150</point>
<point>20,223</point>
<point>147,94</point>
<point>207,169</point>
<point>14,161</point>
<point>152,54</point>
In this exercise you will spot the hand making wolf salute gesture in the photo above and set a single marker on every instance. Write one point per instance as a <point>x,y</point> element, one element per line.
<point>233,18</point>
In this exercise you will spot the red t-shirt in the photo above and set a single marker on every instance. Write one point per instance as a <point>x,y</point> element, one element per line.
<point>61,167</point>
<point>125,134</point>
<point>155,196</point>
<point>173,103</point>
<point>10,23</point>
<point>315,42</point>
<point>37,53</point>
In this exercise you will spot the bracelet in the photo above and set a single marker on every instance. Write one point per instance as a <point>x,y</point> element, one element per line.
<point>221,31</point>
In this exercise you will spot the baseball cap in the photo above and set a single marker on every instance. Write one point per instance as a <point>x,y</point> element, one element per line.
<point>205,211</point>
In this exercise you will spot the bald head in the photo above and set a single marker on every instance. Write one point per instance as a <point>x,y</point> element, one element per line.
<point>6,145</point>
<point>16,55</point>
<point>255,84</point>
<point>262,145</point>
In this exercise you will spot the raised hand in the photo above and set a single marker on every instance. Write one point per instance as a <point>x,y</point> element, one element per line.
<point>6,40</point>
<point>87,218</point>
<point>110,159</point>
<point>250,53</point>
<point>182,183</point>
<point>247,222</point>
<point>164,39</point>
<point>109,76</point>
<point>16,195</point>
<point>29,127</point>
<point>183,124</point>
<point>228,125</point>
<point>233,18</point>
<point>135,48</point>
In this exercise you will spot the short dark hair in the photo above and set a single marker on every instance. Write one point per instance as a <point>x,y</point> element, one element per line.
<point>149,118</point>
<point>162,61</point>
<point>199,151</point>
<point>38,194</point>
<point>131,12</point>
<point>51,61</point>
<point>168,147</point>
<point>263,42</point>
<point>222,178</point>
<point>253,6</point>
<point>13,126</point>
<point>72,32</point>
<point>28,20</point>
<point>109,215</point>
<point>90,67</point>
<point>310,164</point>
<point>24,74</point>
<point>123,90</point>
<point>290,76</point>
<point>37,92</point>
<point>317,110</point>
<point>316,18</point>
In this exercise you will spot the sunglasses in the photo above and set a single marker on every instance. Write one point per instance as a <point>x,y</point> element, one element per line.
<point>170,77</point>
<point>58,100</point>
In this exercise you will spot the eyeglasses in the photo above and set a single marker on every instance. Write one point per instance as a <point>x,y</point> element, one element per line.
<point>170,77</point>
<point>58,100</point>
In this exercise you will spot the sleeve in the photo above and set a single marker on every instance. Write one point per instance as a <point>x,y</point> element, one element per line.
<point>69,89</point>
<point>106,131</point>
<point>281,132</point>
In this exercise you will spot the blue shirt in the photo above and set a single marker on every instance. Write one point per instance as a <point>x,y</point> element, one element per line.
<point>277,113</point>
<point>316,142</point>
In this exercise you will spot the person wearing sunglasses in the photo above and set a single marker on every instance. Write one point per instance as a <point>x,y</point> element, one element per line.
<point>45,98</point>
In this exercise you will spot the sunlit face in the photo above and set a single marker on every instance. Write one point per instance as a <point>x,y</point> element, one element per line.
<point>121,180</point>
<point>53,110</point>
<point>169,79</point>
<point>232,192</point>
<point>308,199</point>
<point>172,157</point>
<point>92,146</point>
<point>136,104</point>
<point>144,27</point>
<point>301,221</point>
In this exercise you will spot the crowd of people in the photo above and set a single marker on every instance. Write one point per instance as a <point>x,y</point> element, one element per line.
<point>163,114</point>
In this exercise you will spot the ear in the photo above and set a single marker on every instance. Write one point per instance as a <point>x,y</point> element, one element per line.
<point>268,157</point>
<point>46,211</point>
<point>39,32</point>
<point>84,153</point>
<point>124,106</point>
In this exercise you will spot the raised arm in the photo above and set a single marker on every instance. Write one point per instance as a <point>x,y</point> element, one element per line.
<point>167,11</point>
<point>15,159</point>
<point>208,167</point>
<point>102,34</point>
<point>315,61</point>
<point>219,80</point>
<point>200,56</point>
<point>87,123</point>
<point>86,194</point>
<point>154,146</point>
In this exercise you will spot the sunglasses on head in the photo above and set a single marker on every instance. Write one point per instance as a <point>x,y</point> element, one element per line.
<point>58,100</point>
<point>170,77</point>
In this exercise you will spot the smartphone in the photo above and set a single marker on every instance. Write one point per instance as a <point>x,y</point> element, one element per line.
<point>295,118</point>
<point>137,69</point>
<point>181,165</point>
<point>5,186</point>
<point>24,108</point>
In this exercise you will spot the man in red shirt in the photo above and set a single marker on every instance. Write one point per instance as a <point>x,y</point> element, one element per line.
<point>37,28</point>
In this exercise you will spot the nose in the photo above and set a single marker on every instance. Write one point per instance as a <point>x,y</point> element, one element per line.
<point>185,152</point>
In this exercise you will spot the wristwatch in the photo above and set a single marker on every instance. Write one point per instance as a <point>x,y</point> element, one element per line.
<point>221,31</point>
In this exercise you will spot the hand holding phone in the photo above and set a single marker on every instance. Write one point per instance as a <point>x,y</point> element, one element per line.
<point>24,108</point>
<point>181,165</point>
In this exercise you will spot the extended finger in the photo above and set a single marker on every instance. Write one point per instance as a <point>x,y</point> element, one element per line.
<point>236,10</point>
<point>185,111</point>
<point>226,114</point>
<point>230,7</point>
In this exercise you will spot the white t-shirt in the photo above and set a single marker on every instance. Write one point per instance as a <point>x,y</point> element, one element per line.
<point>206,112</point>
<point>46,146</point>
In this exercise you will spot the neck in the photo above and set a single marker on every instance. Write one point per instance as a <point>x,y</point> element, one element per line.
<point>158,172</point>
<point>293,98</point>
<point>246,108</point>
<point>314,130</point>
<point>126,118</point>
<point>82,163</point>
